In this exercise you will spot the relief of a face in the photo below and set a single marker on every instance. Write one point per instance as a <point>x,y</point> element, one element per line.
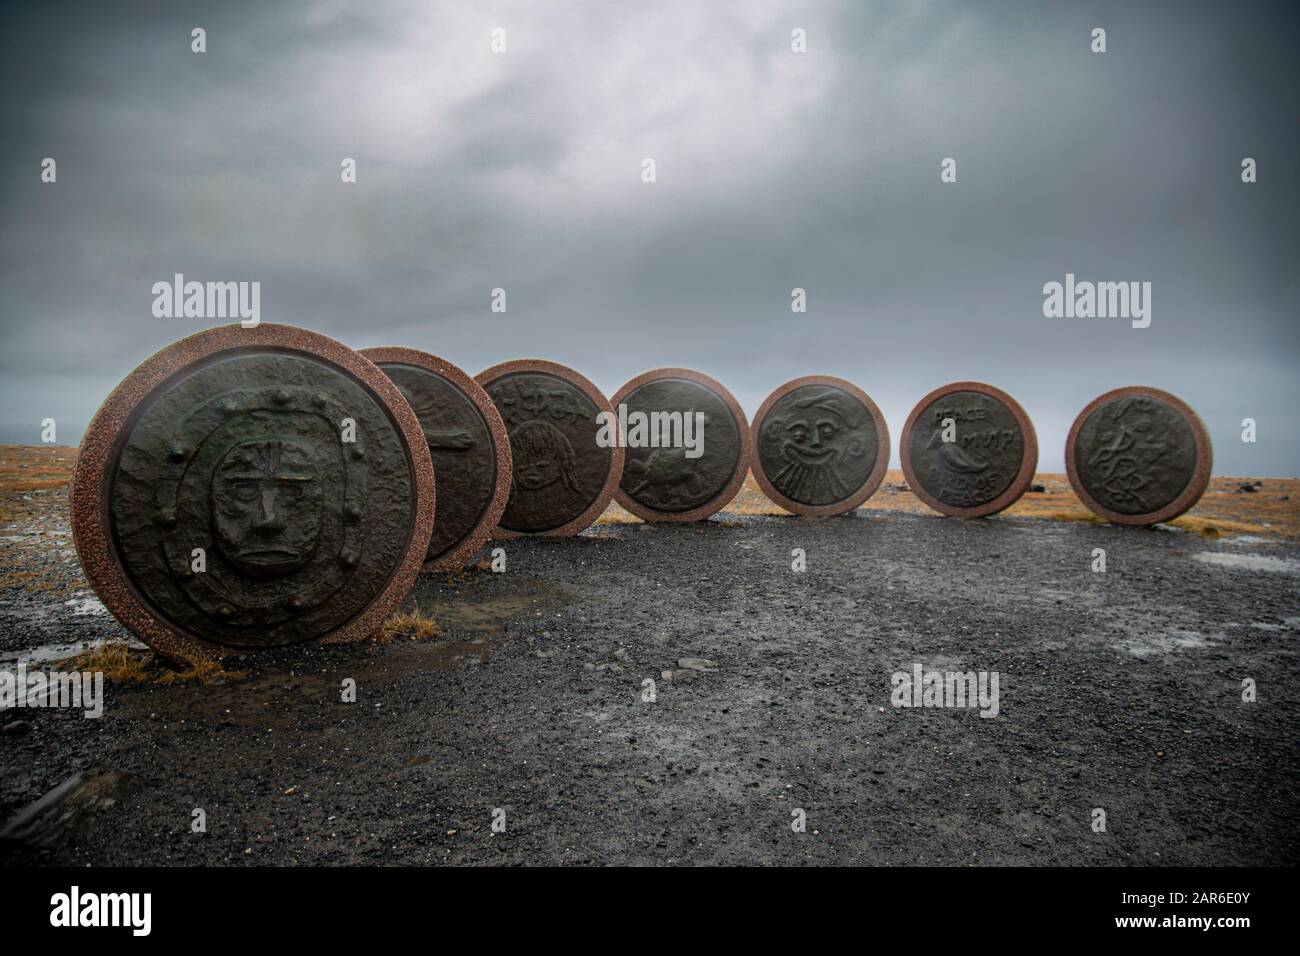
<point>542,456</point>
<point>811,437</point>
<point>819,438</point>
<point>266,507</point>
<point>536,473</point>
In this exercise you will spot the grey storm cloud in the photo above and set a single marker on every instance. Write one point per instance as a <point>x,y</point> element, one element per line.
<point>775,170</point>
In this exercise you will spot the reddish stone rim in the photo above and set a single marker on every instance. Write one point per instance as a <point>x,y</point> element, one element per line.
<point>579,381</point>
<point>864,491</point>
<point>1200,475</point>
<point>92,534</point>
<point>455,558</point>
<point>1028,462</point>
<point>733,485</point>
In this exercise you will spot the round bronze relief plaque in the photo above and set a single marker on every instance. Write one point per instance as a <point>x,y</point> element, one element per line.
<point>968,450</point>
<point>687,445</point>
<point>250,488</point>
<point>563,474</point>
<point>821,446</point>
<point>468,443</point>
<point>1138,456</point>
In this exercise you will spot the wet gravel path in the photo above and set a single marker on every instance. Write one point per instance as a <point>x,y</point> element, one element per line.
<point>1119,690</point>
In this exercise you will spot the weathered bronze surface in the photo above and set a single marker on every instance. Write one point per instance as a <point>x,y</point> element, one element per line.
<point>250,488</point>
<point>243,458</point>
<point>665,479</point>
<point>978,464</point>
<point>817,445</point>
<point>1138,455</point>
<point>462,443</point>
<point>1135,455</point>
<point>560,472</point>
<point>982,461</point>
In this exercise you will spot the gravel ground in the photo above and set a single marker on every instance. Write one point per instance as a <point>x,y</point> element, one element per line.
<point>1119,690</point>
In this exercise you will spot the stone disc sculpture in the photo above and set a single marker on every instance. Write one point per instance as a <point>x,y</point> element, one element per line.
<point>968,450</point>
<point>688,445</point>
<point>564,475</point>
<point>1138,456</point>
<point>821,446</point>
<point>468,443</point>
<point>245,489</point>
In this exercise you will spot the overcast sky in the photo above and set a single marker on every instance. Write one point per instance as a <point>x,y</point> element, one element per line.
<point>775,170</point>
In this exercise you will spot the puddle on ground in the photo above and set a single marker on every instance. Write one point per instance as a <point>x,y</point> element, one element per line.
<point>46,653</point>
<point>287,690</point>
<point>81,606</point>
<point>1249,562</point>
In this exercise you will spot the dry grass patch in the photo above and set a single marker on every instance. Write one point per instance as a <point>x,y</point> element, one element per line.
<point>117,662</point>
<point>1216,527</point>
<point>202,672</point>
<point>30,484</point>
<point>121,664</point>
<point>1087,517</point>
<point>415,625</point>
<point>615,513</point>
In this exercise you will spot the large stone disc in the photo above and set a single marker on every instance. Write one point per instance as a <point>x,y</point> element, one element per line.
<point>563,477</point>
<point>821,446</point>
<point>665,483</point>
<point>468,443</point>
<point>988,466</point>
<point>250,488</point>
<point>1138,455</point>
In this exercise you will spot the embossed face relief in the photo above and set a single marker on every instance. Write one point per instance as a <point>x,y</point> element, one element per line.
<point>981,461</point>
<point>559,468</point>
<point>545,457</point>
<point>1135,455</point>
<point>818,445</point>
<point>266,505</point>
<point>242,460</point>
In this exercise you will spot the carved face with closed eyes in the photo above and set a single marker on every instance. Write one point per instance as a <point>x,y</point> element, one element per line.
<point>267,507</point>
